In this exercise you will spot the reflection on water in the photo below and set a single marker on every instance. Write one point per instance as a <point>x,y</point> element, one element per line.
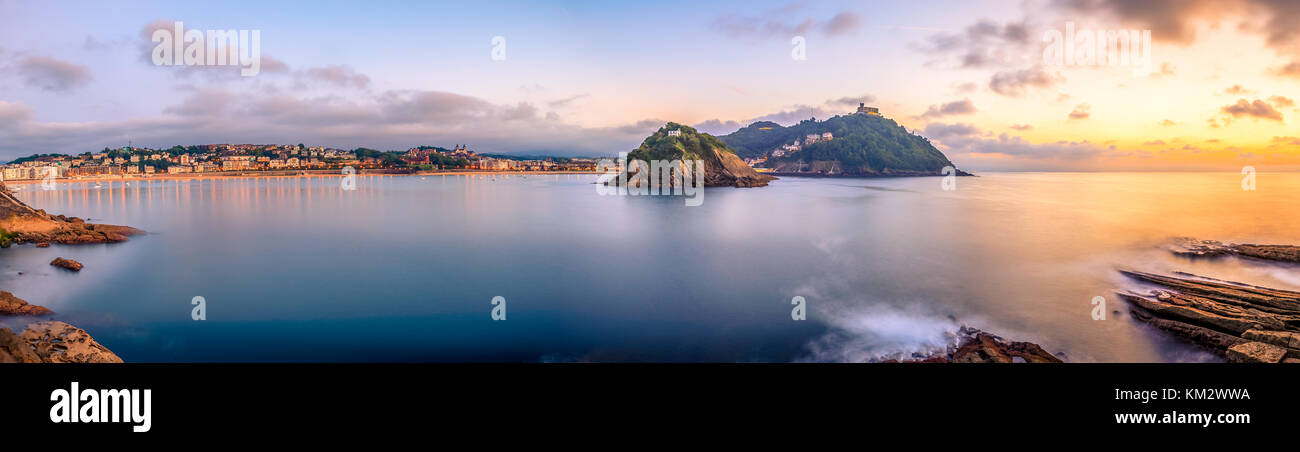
<point>404,268</point>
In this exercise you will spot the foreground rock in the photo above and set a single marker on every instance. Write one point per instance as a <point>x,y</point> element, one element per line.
<point>66,263</point>
<point>975,346</point>
<point>11,305</point>
<point>1241,322</point>
<point>1211,248</point>
<point>52,342</point>
<point>19,223</point>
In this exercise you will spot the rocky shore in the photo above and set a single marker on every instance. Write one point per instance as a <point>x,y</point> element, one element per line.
<point>1212,248</point>
<point>975,346</point>
<point>52,342</point>
<point>19,223</point>
<point>49,341</point>
<point>1241,322</point>
<point>12,305</point>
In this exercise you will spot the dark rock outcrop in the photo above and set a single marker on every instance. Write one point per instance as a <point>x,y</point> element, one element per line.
<point>19,223</point>
<point>975,346</point>
<point>11,305</point>
<point>1212,248</point>
<point>53,342</point>
<point>1241,322</point>
<point>66,264</point>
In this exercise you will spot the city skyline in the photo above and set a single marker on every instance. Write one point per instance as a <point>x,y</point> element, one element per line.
<point>595,79</point>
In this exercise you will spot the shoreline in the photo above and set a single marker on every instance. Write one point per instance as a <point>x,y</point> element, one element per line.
<point>287,174</point>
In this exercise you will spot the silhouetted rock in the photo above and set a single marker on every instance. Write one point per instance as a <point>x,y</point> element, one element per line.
<point>11,305</point>
<point>1210,248</point>
<point>975,346</point>
<point>66,263</point>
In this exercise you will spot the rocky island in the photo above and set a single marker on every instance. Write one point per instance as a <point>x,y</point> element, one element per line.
<point>722,168</point>
<point>863,144</point>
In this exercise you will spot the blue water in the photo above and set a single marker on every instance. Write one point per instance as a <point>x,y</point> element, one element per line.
<point>405,267</point>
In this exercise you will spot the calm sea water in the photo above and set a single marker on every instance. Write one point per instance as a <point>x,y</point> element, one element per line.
<point>405,267</point>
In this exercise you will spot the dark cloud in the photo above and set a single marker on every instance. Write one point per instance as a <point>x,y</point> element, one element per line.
<point>13,112</point>
<point>52,74</point>
<point>984,44</point>
<point>566,101</point>
<point>1256,109</point>
<point>842,23</point>
<point>1017,83</point>
<point>1021,127</point>
<point>986,152</point>
<point>387,120</point>
<point>1237,90</point>
<point>339,75</point>
<point>944,132</point>
<point>1177,20</point>
<point>718,127</point>
<point>1281,101</point>
<point>784,23</point>
<point>959,107</point>
<point>1081,111</point>
<point>851,101</point>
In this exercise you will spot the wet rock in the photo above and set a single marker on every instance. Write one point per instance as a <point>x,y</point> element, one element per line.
<point>58,342</point>
<point>19,223</point>
<point>975,346</point>
<point>1255,352</point>
<point>1278,338</point>
<point>14,350</point>
<point>1242,322</point>
<point>12,305</point>
<point>1211,248</point>
<point>66,263</point>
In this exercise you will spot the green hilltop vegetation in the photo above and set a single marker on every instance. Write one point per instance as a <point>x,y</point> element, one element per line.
<point>862,145</point>
<point>722,167</point>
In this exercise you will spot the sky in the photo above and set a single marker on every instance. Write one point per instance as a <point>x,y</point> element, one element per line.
<point>594,78</point>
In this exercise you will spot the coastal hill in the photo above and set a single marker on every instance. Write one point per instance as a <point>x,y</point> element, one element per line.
<point>722,168</point>
<point>862,144</point>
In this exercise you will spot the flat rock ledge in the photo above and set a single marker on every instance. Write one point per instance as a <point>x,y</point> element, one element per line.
<point>1193,248</point>
<point>12,305</point>
<point>52,342</point>
<point>975,346</point>
<point>1241,322</point>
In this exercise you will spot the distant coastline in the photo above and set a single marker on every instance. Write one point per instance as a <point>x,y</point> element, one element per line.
<point>287,174</point>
